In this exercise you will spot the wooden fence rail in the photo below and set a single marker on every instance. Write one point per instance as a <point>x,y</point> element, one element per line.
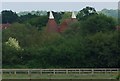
<point>62,71</point>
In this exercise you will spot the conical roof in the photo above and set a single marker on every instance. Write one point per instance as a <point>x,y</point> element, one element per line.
<point>73,15</point>
<point>51,15</point>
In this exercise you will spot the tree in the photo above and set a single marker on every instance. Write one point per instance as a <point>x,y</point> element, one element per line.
<point>98,46</point>
<point>9,16</point>
<point>23,33</point>
<point>85,13</point>
<point>98,23</point>
<point>103,49</point>
<point>38,22</point>
<point>73,29</point>
<point>11,57</point>
<point>24,18</point>
<point>12,42</point>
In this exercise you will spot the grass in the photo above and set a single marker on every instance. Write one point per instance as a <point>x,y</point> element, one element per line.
<point>58,76</point>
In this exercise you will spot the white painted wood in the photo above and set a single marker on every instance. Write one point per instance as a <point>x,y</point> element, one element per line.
<point>51,15</point>
<point>73,15</point>
<point>63,71</point>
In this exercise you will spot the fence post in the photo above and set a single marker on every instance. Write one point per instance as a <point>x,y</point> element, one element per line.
<point>54,71</point>
<point>10,73</point>
<point>66,71</point>
<point>92,71</point>
<point>118,71</point>
<point>28,72</point>
<point>41,71</point>
<point>15,72</point>
<point>110,71</point>
<point>105,71</point>
<point>79,71</point>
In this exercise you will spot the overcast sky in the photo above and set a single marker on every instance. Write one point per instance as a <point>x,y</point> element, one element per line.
<point>56,6</point>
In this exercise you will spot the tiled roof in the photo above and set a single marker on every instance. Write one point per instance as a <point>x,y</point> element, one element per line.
<point>51,25</point>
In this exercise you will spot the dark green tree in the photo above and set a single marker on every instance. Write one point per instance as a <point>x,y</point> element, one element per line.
<point>9,16</point>
<point>38,22</point>
<point>85,13</point>
<point>24,18</point>
<point>97,23</point>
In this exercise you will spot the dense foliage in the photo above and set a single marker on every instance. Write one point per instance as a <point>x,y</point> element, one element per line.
<point>9,16</point>
<point>93,42</point>
<point>85,13</point>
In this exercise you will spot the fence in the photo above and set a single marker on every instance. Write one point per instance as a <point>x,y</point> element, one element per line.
<point>82,71</point>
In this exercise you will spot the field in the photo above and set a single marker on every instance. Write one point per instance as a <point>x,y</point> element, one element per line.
<point>59,80</point>
<point>37,76</point>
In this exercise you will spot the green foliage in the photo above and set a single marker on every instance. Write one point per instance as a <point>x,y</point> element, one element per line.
<point>74,29</point>
<point>66,15</point>
<point>12,42</point>
<point>102,47</point>
<point>118,76</point>
<point>97,23</point>
<point>24,18</point>
<point>89,43</point>
<point>57,51</point>
<point>11,56</point>
<point>58,16</point>
<point>85,13</point>
<point>23,33</point>
<point>38,22</point>
<point>9,16</point>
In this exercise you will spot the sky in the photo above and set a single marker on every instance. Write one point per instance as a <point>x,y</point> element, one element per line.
<point>56,6</point>
<point>60,0</point>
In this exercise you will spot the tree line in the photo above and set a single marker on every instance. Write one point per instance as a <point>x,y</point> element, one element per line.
<point>92,42</point>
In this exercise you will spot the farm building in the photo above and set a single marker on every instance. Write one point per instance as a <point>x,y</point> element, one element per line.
<point>53,27</point>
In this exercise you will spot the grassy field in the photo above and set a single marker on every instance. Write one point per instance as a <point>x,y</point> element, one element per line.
<point>58,76</point>
<point>59,80</point>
